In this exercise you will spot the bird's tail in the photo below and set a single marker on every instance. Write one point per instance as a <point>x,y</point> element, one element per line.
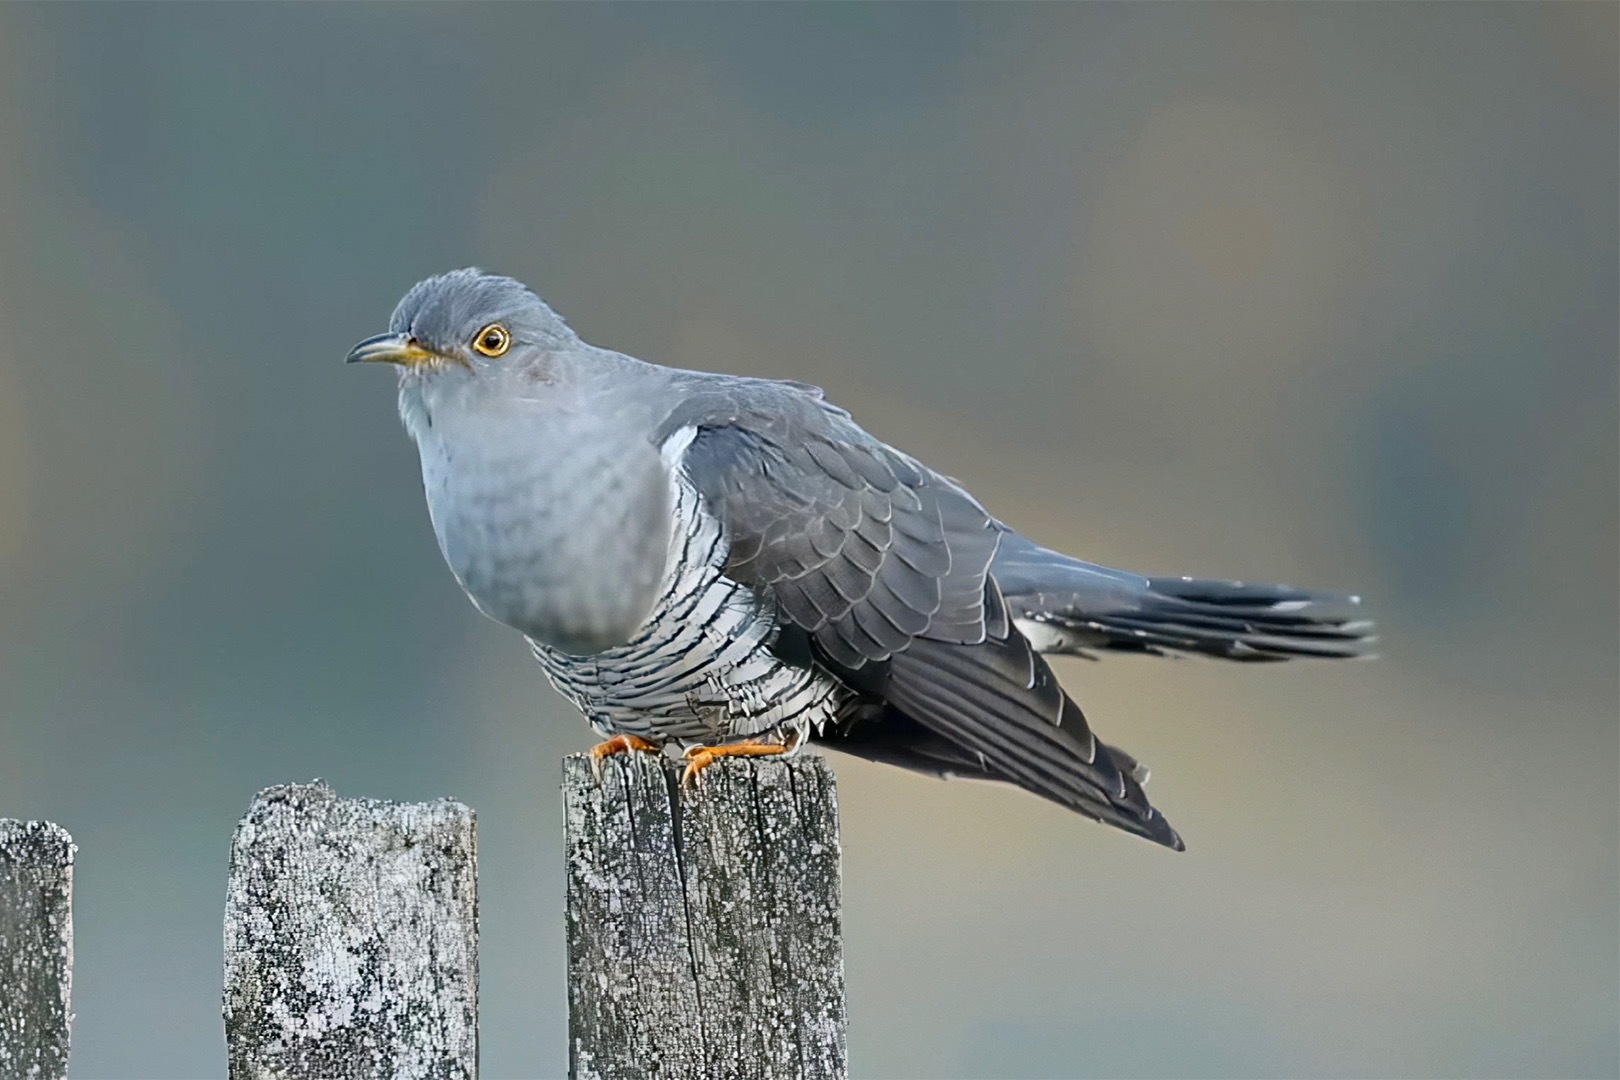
<point>1064,605</point>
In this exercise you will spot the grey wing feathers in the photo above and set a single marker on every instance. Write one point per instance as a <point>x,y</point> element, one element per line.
<point>1000,700</point>
<point>858,544</point>
<point>886,566</point>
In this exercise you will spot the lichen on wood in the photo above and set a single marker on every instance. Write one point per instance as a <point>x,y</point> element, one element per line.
<point>704,935</point>
<point>351,938</point>
<point>36,949</point>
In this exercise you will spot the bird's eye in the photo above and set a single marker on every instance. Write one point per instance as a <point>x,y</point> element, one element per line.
<point>493,340</point>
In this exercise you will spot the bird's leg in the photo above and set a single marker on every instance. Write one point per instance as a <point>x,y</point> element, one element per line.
<point>619,744</point>
<point>699,758</point>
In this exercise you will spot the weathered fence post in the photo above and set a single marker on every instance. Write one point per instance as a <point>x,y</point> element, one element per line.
<point>36,948</point>
<point>704,931</point>
<point>351,939</point>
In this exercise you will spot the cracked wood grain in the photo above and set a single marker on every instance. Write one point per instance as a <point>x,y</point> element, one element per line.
<point>351,938</point>
<point>36,949</point>
<point>703,926</point>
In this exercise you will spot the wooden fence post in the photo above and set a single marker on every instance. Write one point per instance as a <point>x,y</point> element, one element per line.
<point>351,939</point>
<point>704,933</point>
<point>36,948</point>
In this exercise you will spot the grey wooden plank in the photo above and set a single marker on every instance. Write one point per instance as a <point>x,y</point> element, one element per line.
<point>351,938</point>
<point>36,949</point>
<point>704,934</point>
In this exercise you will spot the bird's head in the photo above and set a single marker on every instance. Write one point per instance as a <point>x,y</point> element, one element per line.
<point>467,322</point>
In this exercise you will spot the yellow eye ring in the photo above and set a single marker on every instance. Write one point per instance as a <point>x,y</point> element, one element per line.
<point>493,340</point>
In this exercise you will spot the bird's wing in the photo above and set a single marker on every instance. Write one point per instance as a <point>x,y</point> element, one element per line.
<point>885,565</point>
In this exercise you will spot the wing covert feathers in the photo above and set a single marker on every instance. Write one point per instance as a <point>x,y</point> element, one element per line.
<point>857,543</point>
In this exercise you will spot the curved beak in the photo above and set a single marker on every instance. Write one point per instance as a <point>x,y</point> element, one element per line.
<point>399,349</point>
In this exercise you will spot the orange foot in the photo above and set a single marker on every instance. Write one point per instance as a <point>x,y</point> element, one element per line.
<point>619,744</point>
<point>699,758</point>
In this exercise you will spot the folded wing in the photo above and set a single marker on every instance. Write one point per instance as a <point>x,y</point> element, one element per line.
<point>884,567</point>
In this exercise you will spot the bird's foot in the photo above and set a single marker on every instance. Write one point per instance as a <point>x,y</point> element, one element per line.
<point>699,758</point>
<point>619,744</point>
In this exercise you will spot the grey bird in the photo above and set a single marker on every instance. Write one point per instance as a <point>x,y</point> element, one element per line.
<point>734,566</point>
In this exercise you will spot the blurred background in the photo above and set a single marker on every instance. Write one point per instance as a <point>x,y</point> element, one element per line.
<point>1315,293</point>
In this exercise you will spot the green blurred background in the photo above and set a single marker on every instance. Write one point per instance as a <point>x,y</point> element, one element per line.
<point>1323,293</point>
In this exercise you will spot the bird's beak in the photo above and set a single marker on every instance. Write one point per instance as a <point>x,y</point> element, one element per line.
<point>399,349</point>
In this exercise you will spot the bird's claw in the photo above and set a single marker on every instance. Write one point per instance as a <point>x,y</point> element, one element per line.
<point>699,758</point>
<point>619,744</point>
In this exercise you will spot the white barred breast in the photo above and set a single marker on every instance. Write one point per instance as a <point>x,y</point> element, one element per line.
<point>700,670</point>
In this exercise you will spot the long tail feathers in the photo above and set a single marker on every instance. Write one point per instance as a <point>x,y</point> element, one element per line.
<point>1064,605</point>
